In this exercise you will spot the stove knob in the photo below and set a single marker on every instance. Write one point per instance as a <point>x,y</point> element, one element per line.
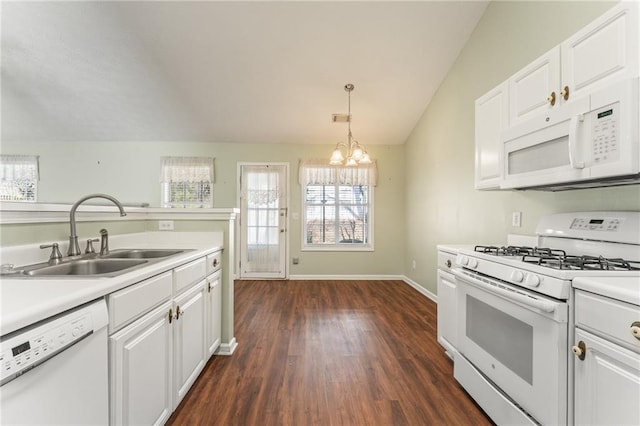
<point>517,276</point>
<point>533,280</point>
<point>473,263</point>
<point>464,260</point>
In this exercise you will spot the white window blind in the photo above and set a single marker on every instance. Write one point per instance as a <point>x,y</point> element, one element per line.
<point>338,205</point>
<point>187,182</point>
<point>19,175</point>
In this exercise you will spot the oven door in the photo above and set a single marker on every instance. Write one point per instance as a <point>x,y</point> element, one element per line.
<point>518,340</point>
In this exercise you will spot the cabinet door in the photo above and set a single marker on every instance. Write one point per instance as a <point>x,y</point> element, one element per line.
<point>603,52</point>
<point>214,312</point>
<point>530,88</point>
<point>447,310</point>
<point>189,339</point>
<point>491,119</point>
<point>607,383</point>
<point>141,365</point>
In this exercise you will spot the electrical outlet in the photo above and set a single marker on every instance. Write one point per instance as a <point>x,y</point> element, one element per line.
<point>296,260</point>
<point>413,264</point>
<point>165,225</point>
<point>516,219</point>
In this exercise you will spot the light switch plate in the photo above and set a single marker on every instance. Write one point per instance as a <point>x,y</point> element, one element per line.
<point>516,219</point>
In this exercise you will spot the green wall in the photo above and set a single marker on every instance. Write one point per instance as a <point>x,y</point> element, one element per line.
<point>441,203</point>
<point>130,171</point>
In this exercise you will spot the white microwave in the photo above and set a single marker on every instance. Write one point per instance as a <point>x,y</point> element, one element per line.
<point>588,142</point>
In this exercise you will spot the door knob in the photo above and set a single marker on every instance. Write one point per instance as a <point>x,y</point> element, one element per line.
<point>565,93</point>
<point>552,98</point>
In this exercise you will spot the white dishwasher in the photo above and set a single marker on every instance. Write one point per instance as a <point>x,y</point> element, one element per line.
<point>55,372</point>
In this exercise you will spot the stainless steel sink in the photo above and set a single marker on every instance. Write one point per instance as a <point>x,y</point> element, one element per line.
<point>88,267</point>
<point>141,253</point>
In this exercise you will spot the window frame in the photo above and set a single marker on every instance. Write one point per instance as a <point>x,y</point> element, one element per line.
<point>186,171</point>
<point>24,160</point>
<point>338,247</point>
<point>165,190</point>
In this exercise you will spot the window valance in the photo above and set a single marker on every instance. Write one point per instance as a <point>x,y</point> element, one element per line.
<point>186,169</point>
<point>19,168</point>
<point>318,172</point>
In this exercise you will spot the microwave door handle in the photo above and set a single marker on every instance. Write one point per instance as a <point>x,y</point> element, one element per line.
<point>574,123</point>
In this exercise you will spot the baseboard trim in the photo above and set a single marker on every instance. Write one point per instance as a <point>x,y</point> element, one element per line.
<point>345,277</point>
<point>420,289</point>
<point>227,349</point>
<point>404,278</point>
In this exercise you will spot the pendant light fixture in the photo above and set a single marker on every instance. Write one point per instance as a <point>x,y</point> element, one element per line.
<point>355,153</point>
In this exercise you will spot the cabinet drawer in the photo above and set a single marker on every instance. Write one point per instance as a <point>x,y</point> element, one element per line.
<point>214,262</point>
<point>133,301</point>
<point>607,317</point>
<point>186,275</point>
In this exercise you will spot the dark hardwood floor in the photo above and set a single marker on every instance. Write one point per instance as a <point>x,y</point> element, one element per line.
<point>330,353</point>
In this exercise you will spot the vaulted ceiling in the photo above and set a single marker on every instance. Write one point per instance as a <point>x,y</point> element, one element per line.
<point>238,71</point>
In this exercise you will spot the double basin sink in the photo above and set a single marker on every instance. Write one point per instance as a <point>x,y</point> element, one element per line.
<point>109,265</point>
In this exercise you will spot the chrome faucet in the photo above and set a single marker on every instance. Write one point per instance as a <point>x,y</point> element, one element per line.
<point>104,242</point>
<point>74,247</point>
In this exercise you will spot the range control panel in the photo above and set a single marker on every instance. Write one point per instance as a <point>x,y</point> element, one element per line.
<point>607,224</point>
<point>27,349</point>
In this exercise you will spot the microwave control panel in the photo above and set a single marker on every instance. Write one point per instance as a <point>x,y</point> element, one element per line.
<point>604,134</point>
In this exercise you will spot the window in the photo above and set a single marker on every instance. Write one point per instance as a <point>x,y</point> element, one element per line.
<point>338,206</point>
<point>19,176</point>
<point>186,182</point>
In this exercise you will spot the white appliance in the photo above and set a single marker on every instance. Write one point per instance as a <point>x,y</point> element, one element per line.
<point>514,311</point>
<point>55,372</point>
<point>588,142</point>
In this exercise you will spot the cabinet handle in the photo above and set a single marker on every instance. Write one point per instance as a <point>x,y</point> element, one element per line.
<point>170,315</point>
<point>448,263</point>
<point>635,329</point>
<point>215,262</point>
<point>552,98</point>
<point>565,93</point>
<point>178,313</point>
<point>209,287</point>
<point>580,350</point>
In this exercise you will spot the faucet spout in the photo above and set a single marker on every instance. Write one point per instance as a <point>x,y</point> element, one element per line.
<point>74,247</point>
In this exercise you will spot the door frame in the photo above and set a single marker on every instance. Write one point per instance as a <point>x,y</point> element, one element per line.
<point>240,222</point>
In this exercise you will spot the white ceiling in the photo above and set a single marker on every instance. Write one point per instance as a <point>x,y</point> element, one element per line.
<point>259,72</point>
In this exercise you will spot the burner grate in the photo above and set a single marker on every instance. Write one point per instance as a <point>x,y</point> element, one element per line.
<point>558,259</point>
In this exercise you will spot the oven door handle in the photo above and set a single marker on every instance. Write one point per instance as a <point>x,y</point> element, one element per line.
<point>541,305</point>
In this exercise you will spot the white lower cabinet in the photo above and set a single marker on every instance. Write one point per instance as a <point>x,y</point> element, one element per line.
<point>214,312</point>
<point>163,331</point>
<point>607,362</point>
<point>189,339</point>
<point>607,383</point>
<point>141,376</point>
<point>447,303</point>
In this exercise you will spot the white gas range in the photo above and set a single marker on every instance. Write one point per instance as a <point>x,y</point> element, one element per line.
<point>514,311</point>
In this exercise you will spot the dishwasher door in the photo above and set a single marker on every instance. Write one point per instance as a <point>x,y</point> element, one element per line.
<point>56,372</point>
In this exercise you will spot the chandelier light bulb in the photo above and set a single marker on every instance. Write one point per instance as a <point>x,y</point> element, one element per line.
<point>336,157</point>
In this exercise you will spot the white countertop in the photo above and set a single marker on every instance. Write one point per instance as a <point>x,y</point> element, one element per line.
<point>625,289</point>
<point>454,248</point>
<point>24,301</point>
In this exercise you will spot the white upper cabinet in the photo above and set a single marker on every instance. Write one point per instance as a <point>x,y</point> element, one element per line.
<point>601,53</point>
<point>492,118</point>
<point>534,89</point>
